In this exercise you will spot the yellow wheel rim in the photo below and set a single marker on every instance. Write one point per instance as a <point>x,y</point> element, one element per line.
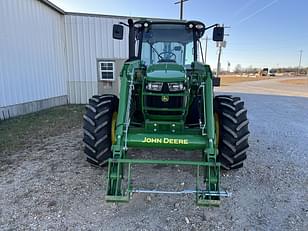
<point>217,127</point>
<point>113,127</point>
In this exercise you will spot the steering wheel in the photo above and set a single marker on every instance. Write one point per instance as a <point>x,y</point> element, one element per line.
<point>170,56</point>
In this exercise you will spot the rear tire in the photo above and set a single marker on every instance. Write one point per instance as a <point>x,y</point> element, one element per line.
<point>97,128</point>
<point>233,131</point>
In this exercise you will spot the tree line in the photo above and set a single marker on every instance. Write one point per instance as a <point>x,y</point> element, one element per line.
<point>254,70</point>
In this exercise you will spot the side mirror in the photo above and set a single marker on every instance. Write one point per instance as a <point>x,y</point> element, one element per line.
<point>117,32</point>
<point>218,34</point>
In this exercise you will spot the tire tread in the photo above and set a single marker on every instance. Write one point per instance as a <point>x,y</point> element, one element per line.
<point>97,128</point>
<point>234,133</point>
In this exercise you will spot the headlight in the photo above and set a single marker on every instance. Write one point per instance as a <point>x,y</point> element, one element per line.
<point>154,86</point>
<point>176,86</point>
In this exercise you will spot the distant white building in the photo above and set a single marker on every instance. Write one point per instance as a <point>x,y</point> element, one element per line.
<point>49,57</point>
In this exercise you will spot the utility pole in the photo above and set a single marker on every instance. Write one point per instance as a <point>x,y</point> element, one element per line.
<point>221,45</point>
<point>181,7</point>
<point>218,61</point>
<point>205,52</point>
<point>229,64</point>
<point>300,61</point>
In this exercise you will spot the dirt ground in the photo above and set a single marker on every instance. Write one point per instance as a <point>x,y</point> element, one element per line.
<point>296,81</point>
<point>227,80</point>
<point>48,185</point>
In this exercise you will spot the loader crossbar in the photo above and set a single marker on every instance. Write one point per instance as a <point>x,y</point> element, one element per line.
<point>204,196</point>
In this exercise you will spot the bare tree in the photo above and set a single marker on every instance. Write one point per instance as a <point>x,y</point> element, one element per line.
<point>238,69</point>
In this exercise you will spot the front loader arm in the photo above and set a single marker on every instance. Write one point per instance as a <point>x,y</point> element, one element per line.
<point>211,172</point>
<point>119,149</point>
<point>127,76</point>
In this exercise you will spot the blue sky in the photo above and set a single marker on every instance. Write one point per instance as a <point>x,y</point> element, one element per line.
<point>263,33</point>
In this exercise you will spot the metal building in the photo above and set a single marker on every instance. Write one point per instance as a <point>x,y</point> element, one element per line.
<point>90,48</point>
<point>49,57</point>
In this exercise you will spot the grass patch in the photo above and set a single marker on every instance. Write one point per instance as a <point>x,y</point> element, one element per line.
<point>24,131</point>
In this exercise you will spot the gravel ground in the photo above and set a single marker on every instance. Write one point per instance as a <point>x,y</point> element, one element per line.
<point>50,187</point>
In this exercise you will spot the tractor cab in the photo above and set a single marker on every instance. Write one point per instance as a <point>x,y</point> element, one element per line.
<point>172,42</point>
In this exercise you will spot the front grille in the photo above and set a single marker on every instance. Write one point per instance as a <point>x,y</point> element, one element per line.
<point>173,103</point>
<point>155,101</point>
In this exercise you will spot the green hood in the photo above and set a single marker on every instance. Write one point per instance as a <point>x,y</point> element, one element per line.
<point>165,72</point>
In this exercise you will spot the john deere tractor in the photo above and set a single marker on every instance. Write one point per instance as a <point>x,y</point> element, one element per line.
<point>166,101</point>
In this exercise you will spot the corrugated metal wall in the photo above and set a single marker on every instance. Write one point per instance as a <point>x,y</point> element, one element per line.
<point>32,52</point>
<point>89,39</point>
<point>45,54</point>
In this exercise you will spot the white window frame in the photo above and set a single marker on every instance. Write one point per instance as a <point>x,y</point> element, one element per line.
<point>100,71</point>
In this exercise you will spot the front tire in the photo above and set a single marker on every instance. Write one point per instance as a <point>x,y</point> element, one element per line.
<point>98,128</point>
<point>233,131</point>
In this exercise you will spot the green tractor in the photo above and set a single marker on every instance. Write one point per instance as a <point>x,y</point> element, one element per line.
<point>166,101</point>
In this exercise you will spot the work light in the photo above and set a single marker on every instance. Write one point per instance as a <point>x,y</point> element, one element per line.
<point>199,26</point>
<point>138,25</point>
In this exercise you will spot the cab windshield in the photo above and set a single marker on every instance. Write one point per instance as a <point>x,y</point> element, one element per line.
<point>163,43</point>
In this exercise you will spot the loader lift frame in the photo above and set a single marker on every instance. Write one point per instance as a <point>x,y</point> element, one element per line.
<point>202,138</point>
